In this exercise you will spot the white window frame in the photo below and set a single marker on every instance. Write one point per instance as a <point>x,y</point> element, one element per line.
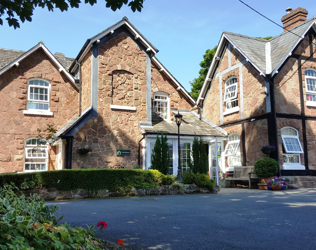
<point>38,111</point>
<point>310,103</point>
<point>32,146</point>
<point>236,153</point>
<point>231,99</point>
<point>292,166</point>
<point>236,149</point>
<point>162,100</point>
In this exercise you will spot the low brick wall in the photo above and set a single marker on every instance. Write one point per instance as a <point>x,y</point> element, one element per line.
<point>54,194</point>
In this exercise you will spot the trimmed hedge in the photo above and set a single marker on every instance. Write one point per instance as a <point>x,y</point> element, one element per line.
<point>91,179</point>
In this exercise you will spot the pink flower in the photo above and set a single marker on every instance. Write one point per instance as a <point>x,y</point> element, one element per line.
<point>102,224</point>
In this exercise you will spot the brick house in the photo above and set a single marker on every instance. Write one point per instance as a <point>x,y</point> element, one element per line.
<point>262,92</point>
<point>115,96</point>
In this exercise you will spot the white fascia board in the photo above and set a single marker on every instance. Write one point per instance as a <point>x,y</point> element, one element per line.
<point>48,53</point>
<point>206,82</point>
<point>160,66</point>
<point>109,31</point>
<point>268,58</point>
<point>244,55</point>
<point>293,47</point>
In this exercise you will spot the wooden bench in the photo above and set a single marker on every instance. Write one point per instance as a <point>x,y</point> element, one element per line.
<point>243,174</point>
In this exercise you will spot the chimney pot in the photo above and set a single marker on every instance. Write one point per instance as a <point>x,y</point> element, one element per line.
<point>294,18</point>
<point>59,54</point>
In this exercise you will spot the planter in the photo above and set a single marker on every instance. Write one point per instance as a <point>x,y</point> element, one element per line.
<point>276,188</point>
<point>267,151</point>
<point>267,179</point>
<point>83,151</point>
<point>262,186</point>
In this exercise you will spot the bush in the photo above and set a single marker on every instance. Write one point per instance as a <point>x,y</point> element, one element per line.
<point>29,224</point>
<point>200,160</point>
<point>160,158</point>
<point>198,179</point>
<point>188,177</point>
<point>90,179</point>
<point>266,167</point>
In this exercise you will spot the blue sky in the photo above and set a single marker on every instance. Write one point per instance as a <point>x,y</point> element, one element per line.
<point>181,29</point>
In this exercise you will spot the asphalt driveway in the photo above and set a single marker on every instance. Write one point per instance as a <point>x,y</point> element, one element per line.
<point>232,219</point>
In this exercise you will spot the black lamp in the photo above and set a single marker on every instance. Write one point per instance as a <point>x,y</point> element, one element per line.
<point>178,122</point>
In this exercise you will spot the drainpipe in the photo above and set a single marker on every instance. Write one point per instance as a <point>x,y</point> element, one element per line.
<point>68,155</point>
<point>79,82</point>
<point>139,148</point>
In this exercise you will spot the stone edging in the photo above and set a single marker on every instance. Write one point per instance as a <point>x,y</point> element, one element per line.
<point>54,194</point>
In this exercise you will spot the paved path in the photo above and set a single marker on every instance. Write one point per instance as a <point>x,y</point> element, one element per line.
<point>232,219</point>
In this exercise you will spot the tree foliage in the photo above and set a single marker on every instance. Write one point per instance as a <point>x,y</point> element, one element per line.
<point>160,157</point>
<point>23,9</point>
<point>199,163</point>
<point>197,83</point>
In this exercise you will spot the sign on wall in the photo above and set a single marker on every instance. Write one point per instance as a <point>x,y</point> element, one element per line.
<point>122,152</point>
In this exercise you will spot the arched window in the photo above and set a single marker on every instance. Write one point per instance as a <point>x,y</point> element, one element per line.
<point>38,95</point>
<point>310,81</point>
<point>161,105</point>
<point>36,154</point>
<point>232,151</point>
<point>230,95</point>
<point>291,146</point>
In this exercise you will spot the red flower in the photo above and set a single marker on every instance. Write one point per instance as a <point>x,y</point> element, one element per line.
<point>102,224</point>
<point>120,242</point>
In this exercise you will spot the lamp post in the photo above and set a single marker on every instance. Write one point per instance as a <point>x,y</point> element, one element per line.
<point>178,122</point>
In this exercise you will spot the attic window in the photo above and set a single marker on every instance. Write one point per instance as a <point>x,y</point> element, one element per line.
<point>161,105</point>
<point>310,81</point>
<point>230,95</point>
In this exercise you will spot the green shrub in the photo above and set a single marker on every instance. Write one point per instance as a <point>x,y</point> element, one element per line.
<point>200,160</point>
<point>160,158</point>
<point>89,179</point>
<point>198,179</point>
<point>29,224</point>
<point>266,167</point>
<point>168,179</point>
<point>202,180</point>
<point>188,177</point>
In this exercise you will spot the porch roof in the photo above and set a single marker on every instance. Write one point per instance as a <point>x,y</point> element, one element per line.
<point>191,125</point>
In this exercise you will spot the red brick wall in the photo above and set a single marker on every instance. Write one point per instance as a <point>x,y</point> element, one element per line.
<point>15,127</point>
<point>122,81</point>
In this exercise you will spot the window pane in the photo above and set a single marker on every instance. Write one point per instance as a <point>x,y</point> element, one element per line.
<point>311,97</point>
<point>291,158</point>
<point>185,149</point>
<point>310,72</point>
<point>231,92</point>
<point>292,144</point>
<point>231,81</point>
<point>311,84</point>
<point>288,131</point>
<point>232,104</point>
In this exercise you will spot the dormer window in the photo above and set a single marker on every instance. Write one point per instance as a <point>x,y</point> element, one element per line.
<point>231,95</point>
<point>161,105</point>
<point>310,81</point>
<point>38,97</point>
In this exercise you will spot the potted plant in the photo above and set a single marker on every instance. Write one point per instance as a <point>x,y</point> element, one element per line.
<point>267,149</point>
<point>277,183</point>
<point>263,185</point>
<point>222,180</point>
<point>82,150</point>
<point>266,168</point>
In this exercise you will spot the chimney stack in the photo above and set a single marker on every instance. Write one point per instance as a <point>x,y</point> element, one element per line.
<point>293,17</point>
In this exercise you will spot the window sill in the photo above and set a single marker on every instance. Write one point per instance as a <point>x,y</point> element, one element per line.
<point>38,112</point>
<point>310,104</point>
<point>120,107</point>
<point>231,111</point>
<point>293,167</point>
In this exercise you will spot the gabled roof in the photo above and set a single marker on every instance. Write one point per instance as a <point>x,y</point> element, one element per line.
<point>11,58</point>
<point>267,56</point>
<point>124,22</point>
<point>191,125</point>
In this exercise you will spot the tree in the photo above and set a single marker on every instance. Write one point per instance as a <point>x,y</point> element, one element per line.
<point>23,9</point>
<point>197,83</point>
<point>160,157</point>
<point>199,163</point>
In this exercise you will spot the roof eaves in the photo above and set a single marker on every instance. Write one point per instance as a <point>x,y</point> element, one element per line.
<point>294,46</point>
<point>61,68</point>
<point>180,87</point>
